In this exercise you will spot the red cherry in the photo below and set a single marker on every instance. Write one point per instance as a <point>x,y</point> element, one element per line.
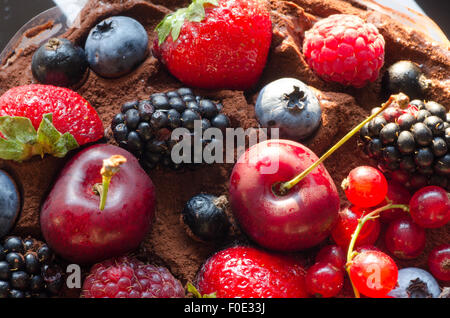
<point>397,194</point>
<point>439,262</point>
<point>324,280</point>
<point>365,248</point>
<point>365,186</point>
<point>346,225</point>
<point>373,273</point>
<point>430,207</point>
<point>332,254</point>
<point>405,239</point>
<point>300,219</point>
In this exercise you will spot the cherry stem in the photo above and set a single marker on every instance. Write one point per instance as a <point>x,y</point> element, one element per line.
<point>286,186</point>
<point>110,167</point>
<point>372,215</point>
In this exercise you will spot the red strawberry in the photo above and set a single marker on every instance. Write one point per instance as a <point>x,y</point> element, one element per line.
<point>251,273</point>
<point>43,119</point>
<point>216,44</point>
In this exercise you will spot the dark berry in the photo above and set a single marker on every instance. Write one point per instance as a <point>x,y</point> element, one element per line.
<point>436,109</point>
<point>422,134</point>
<point>120,132</point>
<point>115,46</point>
<point>418,103</point>
<point>159,119</point>
<point>132,118</point>
<point>208,109</point>
<point>15,261</point>
<point>364,133</point>
<point>193,105</point>
<point>174,118</point>
<point>13,244</point>
<point>405,77</point>
<point>389,133</point>
<point>146,110</point>
<point>14,293</point>
<point>10,203</point>
<point>45,255</point>
<point>422,115</point>
<point>156,146</point>
<point>406,121</point>
<point>442,165</point>
<point>118,119</point>
<point>5,272</point>
<point>406,143</point>
<point>391,154</point>
<point>160,101</point>
<point>376,124</point>
<point>58,62</point>
<point>36,283</point>
<point>188,118</point>
<point>407,163</point>
<point>188,98</point>
<point>134,142</point>
<point>4,289</point>
<point>129,105</point>
<point>205,124</point>
<point>145,131</point>
<point>177,104</point>
<point>53,278</point>
<point>172,94</point>
<point>205,216</point>
<point>375,147</point>
<point>185,91</point>
<point>221,121</point>
<point>19,280</point>
<point>439,146</point>
<point>435,124</point>
<point>32,265</point>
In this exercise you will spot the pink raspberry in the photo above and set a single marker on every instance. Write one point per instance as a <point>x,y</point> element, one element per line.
<point>127,277</point>
<point>343,48</point>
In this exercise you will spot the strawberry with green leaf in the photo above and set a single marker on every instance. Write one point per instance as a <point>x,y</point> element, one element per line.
<point>43,119</point>
<point>216,44</point>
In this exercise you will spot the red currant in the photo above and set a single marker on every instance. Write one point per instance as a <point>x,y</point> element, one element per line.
<point>365,186</point>
<point>430,207</point>
<point>405,239</point>
<point>397,194</point>
<point>365,248</point>
<point>324,280</point>
<point>346,225</point>
<point>439,262</point>
<point>373,273</point>
<point>332,254</point>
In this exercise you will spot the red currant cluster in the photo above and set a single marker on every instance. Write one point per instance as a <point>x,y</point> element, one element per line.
<point>372,272</point>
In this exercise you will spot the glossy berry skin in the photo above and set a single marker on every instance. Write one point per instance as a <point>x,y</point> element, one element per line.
<point>291,106</point>
<point>333,254</point>
<point>439,262</point>
<point>346,225</point>
<point>127,277</point>
<point>71,220</point>
<point>71,112</point>
<point>228,49</point>
<point>373,273</point>
<point>397,194</point>
<point>247,272</point>
<point>405,239</point>
<point>115,46</point>
<point>343,48</point>
<point>10,203</point>
<point>415,282</point>
<point>324,280</point>
<point>58,62</point>
<point>365,186</point>
<point>405,77</point>
<point>205,216</point>
<point>430,207</point>
<point>300,219</point>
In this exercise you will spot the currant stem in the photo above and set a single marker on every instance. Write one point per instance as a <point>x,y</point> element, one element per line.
<point>374,214</point>
<point>286,186</point>
<point>111,166</point>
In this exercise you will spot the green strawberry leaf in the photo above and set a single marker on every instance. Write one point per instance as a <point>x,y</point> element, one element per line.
<point>21,141</point>
<point>191,289</point>
<point>173,22</point>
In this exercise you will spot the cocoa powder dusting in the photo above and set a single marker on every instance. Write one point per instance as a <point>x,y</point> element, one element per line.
<point>343,108</point>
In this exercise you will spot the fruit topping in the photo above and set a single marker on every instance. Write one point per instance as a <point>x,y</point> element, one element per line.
<point>43,119</point>
<point>27,269</point>
<point>58,62</point>
<point>430,207</point>
<point>216,44</point>
<point>324,280</point>
<point>116,46</point>
<point>405,239</point>
<point>127,277</point>
<point>10,203</point>
<point>291,106</point>
<point>247,272</point>
<point>415,283</point>
<point>405,77</point>
<point>343,48</point>
<point>439,262</point>
<point>72,219</point>
<point>145,127</point>
<point>205,216</point>
<point>332,254</point>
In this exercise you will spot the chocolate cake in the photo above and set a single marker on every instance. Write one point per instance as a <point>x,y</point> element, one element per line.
<point>343,108</point>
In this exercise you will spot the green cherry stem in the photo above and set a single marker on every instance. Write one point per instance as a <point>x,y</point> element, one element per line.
<point>372,215</point>
<point>284,187</point>
<point>111,166</point>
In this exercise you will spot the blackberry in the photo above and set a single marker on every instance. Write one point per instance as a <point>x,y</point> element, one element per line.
<point>144,127</point>
<point>28,269</point>
<point>413,142</point>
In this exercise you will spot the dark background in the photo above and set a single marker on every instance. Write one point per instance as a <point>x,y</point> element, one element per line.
<point>15,13</point>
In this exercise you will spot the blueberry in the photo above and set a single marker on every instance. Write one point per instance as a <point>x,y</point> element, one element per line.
<point>189,117</point>
<point>10,203</point>
<point>208,109</point>
<point>221,121</point>
<point>415,283</point>
<point>58,62</point>
<point>205,216</point>
<point>13,244</point>
<point>115,46</point>
<point>405,77</point>
<point>291,106</point>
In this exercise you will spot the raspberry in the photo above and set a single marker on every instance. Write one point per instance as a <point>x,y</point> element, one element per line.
<point>127,277</point>
<point>343,48</point>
